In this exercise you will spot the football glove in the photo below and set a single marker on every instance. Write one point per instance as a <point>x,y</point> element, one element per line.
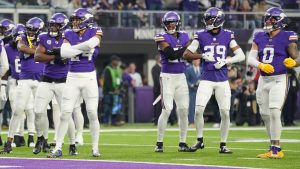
<point>289,62</point>
<point>208,56</point>
<point>220,63</point>
<point>53,51</point>
<point>3,90</point>
<point>267,68</point>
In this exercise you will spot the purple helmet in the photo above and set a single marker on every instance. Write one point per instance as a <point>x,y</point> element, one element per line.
<point>214,18</point>
<point>33,27</point>
<point>60,20</point>
<point>171,17</point>
<point>6,27</point>
<point>274,19</point>
<point>85,16</point>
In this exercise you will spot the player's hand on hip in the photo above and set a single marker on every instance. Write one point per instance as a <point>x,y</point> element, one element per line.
<point>267,68</point>
<point>208,56</point>
<point>220,64</point>
<point>3,93</point>
<point>289,63</point>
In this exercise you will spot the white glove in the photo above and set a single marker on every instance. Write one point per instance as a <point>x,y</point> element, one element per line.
<point>208,56</point>
<point>220,64</point>
<point>3,90</point>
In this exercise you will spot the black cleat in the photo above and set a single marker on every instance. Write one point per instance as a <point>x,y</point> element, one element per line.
<point>46,147</point>
<point>159,147</point>
<point>6,149</point>
<point>183,147</point>
<point>17,140</point>
<point>72,150</point>
<point>224,150</point>
<point>30,141</point>
<point>1,142</point>
<point>198,145</point>
<point>38,146</point>
<point>22,141</point>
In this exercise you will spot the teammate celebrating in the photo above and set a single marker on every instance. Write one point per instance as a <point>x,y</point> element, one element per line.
<point>214,42</point>
<point>80,44</point>
<point>276,51</point>
<point>53,80</point>
<point>28,80</point>
<point>171,45</point>
<point>6,27</point>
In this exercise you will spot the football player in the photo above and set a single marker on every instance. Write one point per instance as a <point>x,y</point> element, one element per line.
<point>171,45</point>
<point>273,52</point>
<point>6,27</point>
<point>215,43</point>
<point>80,43</point>
<point>53,80</point>
<point>28,80</point>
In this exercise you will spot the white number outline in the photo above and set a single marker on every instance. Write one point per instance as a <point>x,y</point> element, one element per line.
<point>218,49</point>
<point>265,58</point>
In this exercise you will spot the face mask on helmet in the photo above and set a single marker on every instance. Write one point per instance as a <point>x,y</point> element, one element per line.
<point>18,30</point>
<point>6,27</point>
<point>81,19</point>
<point>274,19</point>
<point>214,18</point>
<point>171,22</point>
<point>57,24</point>
<point>33,27</point>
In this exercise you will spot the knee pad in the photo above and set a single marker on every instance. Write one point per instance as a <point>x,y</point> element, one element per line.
<point>199,110</point>
<point>65,116</point>
<point>182,111</point>
<point>92,115</point>
<point>224,114</point>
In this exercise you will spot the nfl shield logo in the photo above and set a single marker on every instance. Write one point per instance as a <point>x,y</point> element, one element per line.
<point>49,42</point>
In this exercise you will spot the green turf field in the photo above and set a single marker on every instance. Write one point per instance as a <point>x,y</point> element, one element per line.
<point>136,143</point>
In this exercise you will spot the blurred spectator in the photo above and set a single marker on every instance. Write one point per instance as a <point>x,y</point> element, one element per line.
<point>62,4</point>
<point>260,7</point>
<point>155,72</point>
<point>139,18</point>
<point>44,2</point>
<point>137,79</point>
<point>190,6</point>
<point>290,4</point>
<point>232,20</point>
<point>29,2</point>
<point>246,6</point>
<point>154,5</point>
<point>126,84</point>
<point>290,106</point>
<point>111,92</point>
<point>193,79</point>
<point>106,4</point>
<point>89,4</point>
<point>247,106</point>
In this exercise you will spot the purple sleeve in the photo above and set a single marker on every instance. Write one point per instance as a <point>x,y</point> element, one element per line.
<point>159,38</point>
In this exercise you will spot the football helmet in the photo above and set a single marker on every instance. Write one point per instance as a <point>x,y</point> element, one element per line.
<point>57,24</point>
<point>171,22</point>
<point>18,30</point>
<point>6,27</point>
<point>33,27</point>
<point>81,18</point>
<point>274,18</point>
<point>214,18</point>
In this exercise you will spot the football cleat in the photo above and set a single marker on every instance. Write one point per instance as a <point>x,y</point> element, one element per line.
<point>224,150</point>
<point>276,152</point>
<point>6,149</point>
<point>72,150</point>
<point>1,142</point>
<point>22,141</point>
<point>46,147</point>
<point>265,155</point>
<point>95,153</point>
<point>16,142</point>
<point>198,145</point>
<point>183,147</point>
<point>159,147</point>
<point>38,146</point>
<point>55,154</point>
<point>30,141</point>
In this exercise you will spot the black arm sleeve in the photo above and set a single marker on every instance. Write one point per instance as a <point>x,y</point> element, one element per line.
<point>173,55</point>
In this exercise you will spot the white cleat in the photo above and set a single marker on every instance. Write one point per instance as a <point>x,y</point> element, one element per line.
<point>95,153</point>
<point>79,140</point>
<point>13,145</point>
<point>31,144</point>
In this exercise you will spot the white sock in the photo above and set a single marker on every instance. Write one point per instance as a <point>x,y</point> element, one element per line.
<point>39,123</point>
<point>63,127</point>
<point>224,126</point>
<point>78,120</point>
<point>94,128</point>
<point>162,124</point>
<point>30,121</point>
<point>21,128</point>
<point>275,125</point>
<point>199,121</point>
<point>71,131</point>
<point>267,120</point>
<point>14,124</point>
<point>56,118</point>
<point>46,126</point>
<point>183,124</point>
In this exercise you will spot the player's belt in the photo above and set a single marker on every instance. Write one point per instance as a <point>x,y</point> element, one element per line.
<point>53,80</point>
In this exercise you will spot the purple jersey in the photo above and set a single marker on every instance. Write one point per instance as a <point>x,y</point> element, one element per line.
<point>274,50</point>
<point>217,44</point>
<point>29,68</point>
<point>52,70</point>
<point>172,66</point>
<point>13,56</point>
<point>83,63</point>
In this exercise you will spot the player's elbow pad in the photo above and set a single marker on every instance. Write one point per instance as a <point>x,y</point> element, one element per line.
<point>66,51</point>
<point>173,55</point>
<point>252,58</point>
<point>87,45</point>
<point>239,56</point>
